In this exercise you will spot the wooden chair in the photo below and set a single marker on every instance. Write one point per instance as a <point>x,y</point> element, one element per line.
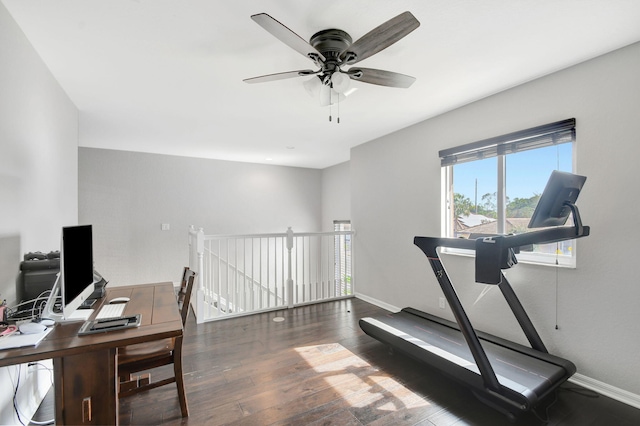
<point>144,356</point>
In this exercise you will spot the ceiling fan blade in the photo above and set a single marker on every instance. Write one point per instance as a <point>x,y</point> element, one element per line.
<point>380,38</point>
<point>285,35</point>
<point>381,77</point>
<point>278,76</point>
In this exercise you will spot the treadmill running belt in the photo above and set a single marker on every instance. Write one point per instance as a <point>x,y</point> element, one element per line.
<point>523,374</point>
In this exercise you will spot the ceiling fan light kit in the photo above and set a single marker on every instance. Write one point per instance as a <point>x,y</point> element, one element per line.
<point>340,82</point>
<point>332,49</point>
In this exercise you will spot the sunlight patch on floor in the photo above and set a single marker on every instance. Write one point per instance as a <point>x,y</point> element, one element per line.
<point>358,382</point>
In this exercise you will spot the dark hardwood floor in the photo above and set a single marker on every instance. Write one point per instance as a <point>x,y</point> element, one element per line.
<point>318,368</point>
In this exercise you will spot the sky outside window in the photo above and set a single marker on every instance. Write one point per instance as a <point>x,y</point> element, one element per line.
<point>527,172</point>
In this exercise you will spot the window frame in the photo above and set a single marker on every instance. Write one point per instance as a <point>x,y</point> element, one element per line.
<point>551,134</point>
<point>344,273</point>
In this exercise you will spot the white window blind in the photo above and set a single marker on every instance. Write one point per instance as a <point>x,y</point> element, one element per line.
<point>535,137</point>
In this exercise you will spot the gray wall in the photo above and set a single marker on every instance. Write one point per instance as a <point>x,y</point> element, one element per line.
<point>398,178</point>
<point>38,179</point>
<point>128,195</point>
<point>336,195</point>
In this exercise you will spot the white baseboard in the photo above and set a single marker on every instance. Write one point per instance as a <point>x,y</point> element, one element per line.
<point>377,302</point>
<point>602,388</point>
<point>607,390</point>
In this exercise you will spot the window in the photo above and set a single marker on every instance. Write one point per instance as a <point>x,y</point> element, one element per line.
<point>342,257</point>
<point>492,186</point>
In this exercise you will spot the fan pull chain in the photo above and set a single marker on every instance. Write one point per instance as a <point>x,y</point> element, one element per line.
<point>330,87</point>
<point>331,103</point>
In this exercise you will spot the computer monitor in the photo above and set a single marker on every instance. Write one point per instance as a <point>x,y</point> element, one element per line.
<point>75,282</point>
<point>76,267</point>
<point>556,201</point>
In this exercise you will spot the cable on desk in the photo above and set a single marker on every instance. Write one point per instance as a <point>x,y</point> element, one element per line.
<point>33,312</point>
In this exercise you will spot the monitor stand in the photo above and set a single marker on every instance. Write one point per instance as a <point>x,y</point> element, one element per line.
<point>77,315</point>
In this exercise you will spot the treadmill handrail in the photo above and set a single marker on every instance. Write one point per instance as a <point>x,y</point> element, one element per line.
<point>487,373</point>
<point>543,236</point>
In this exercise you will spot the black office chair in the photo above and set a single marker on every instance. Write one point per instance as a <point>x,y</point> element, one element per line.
<point>144,356</point>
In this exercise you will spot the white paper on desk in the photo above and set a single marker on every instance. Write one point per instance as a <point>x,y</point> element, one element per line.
<point>18,340</point>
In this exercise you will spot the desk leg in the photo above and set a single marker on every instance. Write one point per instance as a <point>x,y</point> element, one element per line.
<point>85,388</point>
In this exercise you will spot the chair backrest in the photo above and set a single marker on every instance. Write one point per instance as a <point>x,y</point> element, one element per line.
<point>184,296</point>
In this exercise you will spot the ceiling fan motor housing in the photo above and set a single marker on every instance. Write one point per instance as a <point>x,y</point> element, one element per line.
<point>331,43</point>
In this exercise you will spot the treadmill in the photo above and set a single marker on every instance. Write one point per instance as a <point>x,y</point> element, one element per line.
<point>507,376</point>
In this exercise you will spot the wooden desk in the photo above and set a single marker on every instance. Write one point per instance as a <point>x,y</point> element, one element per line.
<point>86,367</point>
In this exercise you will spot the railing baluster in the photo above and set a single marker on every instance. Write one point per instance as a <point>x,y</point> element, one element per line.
<point>338,261</point>
<point>277,293</point>
<point>210,283</point>
<point>309,271</point>
<point>261,278</point>
<point>275,272</point>
<point>244,274</point>
<point>318,270</point>
<point>234,281</point>
<point>325,269</point>
<point>284,272</point>
<point>331,291</point>
<point>219,280</point>
<point>268,272</point>
<point>239,276</point>
<point>253,287</point>
<point>304,270</point>
<point>226,280</point>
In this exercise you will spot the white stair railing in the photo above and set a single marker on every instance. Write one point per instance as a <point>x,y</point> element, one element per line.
<point>244,274</point>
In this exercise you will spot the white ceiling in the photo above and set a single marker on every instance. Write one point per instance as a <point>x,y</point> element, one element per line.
<point>165,76</point>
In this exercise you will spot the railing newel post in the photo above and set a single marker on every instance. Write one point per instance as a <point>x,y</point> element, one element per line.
<point>289,268</point>
<point>200,293</point>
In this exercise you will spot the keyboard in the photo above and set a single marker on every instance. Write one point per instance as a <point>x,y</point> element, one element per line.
<point>109,324</point>
<point>111,311</point>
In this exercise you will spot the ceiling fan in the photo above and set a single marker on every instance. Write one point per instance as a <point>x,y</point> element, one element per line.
<point>332,50</point>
